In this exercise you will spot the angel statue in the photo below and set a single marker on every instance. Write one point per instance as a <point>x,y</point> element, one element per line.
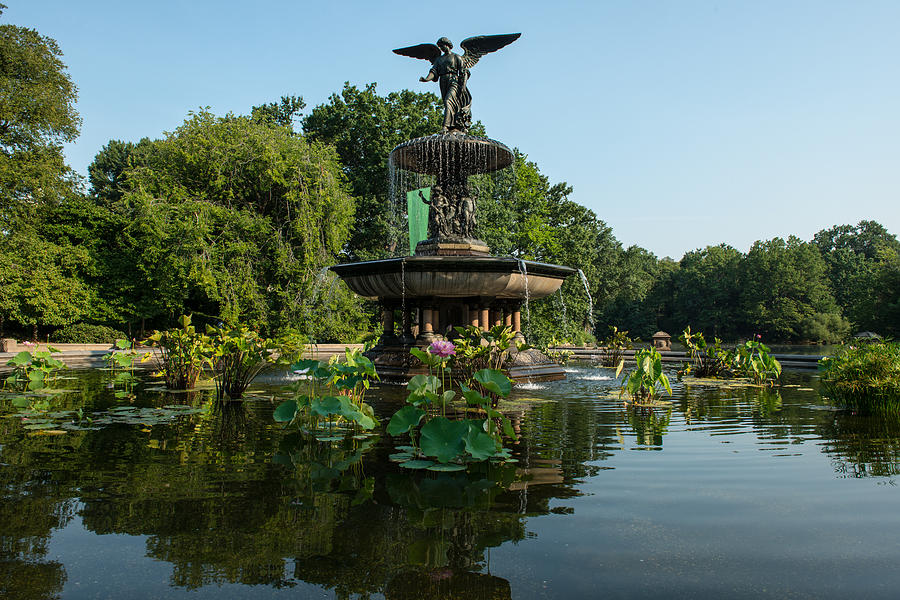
<point>452,72</point>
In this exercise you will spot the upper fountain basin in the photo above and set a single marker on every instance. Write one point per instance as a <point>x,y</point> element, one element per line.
<point>452,277</point>
<point>452,153</point>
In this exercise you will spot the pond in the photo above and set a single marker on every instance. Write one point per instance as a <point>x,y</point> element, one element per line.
<point>730,492</point>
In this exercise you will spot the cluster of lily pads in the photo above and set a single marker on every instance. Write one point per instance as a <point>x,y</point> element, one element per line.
<point>60,422</point>
<point>443,444</point>
<point>329,399</point>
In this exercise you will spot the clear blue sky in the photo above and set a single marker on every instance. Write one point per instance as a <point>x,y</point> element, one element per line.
<point>680,123</point>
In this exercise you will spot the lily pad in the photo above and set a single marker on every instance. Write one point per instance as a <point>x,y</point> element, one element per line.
<point>405,419</point>
<point>443,438</point>
<point>401,457</point>
<point>446,467</point>
<point>417,464</point>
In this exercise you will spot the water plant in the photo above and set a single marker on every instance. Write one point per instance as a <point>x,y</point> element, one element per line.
<point>614,347</point>
<point>647,382</point>
<point>865,377</point>
<point>707,360</point>
<point>329,401</point>
<point>121,360</point>
<point>558,355</point>
<point>752,360</point>
<point>440,443</point>
<point>238,354</point>
<point>476,350</point>
<point>33,369</point>
<point>183,352</point>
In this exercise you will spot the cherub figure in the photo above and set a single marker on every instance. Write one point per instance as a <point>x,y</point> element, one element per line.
<point>451,71</point>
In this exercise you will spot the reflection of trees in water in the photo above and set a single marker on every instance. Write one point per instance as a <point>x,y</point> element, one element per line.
<point>31,508</point>
<point>862,445</point>
<point>225,497</point>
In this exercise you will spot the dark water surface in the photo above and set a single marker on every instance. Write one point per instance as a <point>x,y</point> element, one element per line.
<point>732,492</point>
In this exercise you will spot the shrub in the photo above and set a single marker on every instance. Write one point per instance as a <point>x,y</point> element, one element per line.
<point>88,333</point>
<point>825,327</point>
<point>865,378</point>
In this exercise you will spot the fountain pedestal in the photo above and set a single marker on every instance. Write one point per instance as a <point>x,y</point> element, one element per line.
<point>452,280</point>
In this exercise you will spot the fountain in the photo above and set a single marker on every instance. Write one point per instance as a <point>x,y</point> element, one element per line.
<point>452,280</point>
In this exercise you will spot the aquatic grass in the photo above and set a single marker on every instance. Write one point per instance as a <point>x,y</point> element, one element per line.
<point>865,378</point>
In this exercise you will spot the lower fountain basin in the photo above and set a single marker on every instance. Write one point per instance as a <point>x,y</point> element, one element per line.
<point>452,277</point>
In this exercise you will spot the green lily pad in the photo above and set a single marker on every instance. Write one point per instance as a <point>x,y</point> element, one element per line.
<point>443,438</point>
<point>285,412</point>
<point>494,381</point>
<point>405,419</point>
<point>41,426</point>
<point>417,464</point>
<point>480,445</point>
<point>446,467</point>
<point>401,457</point>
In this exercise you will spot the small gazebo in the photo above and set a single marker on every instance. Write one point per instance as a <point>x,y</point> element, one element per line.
<point>661,340</point>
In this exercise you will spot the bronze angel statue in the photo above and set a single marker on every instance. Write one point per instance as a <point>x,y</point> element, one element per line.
<point>452,72</point>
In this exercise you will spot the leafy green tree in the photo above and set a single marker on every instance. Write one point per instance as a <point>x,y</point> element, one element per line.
<point>234,217</point>
<point>706,292</point>
<point>854,256</point>
<point>639,300</point>
<point>526,216</point>
<point>42,282</point>
<point>107,171</point>
<point>783,284</point>
<point>37,115</point>
<point>283,113</point>
<point>364,127</point>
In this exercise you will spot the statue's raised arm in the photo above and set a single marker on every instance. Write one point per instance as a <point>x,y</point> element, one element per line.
<point>452,72</point>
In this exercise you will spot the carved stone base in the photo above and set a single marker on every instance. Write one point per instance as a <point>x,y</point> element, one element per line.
<point>444,247</point>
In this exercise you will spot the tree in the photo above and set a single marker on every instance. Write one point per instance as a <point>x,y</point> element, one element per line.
<point>37,115</point>
<point>108,170</point>
<point>706,291</point>
<point>854,257</point>
<point>364,127</point>
<point>783,284</point>
<point>636,304</point>
<point>42,282</point>
<point>283,113</point>
<point>233,217</point>
<point>524,216</point>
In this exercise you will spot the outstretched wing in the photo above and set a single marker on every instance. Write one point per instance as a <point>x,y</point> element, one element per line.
<point>427,52</point>
<point>478,46</point>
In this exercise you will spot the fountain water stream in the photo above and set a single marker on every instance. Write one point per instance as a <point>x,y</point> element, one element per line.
<point>587,291</point>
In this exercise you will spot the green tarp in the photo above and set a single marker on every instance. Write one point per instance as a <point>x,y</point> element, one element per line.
<point>417,212</point>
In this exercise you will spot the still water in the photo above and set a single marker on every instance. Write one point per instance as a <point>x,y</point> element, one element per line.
<point>730,492</point>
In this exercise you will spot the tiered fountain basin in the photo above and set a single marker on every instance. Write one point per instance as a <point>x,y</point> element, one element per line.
<point>452,154</point>
<point>435,294</point>
<point>417,277</point>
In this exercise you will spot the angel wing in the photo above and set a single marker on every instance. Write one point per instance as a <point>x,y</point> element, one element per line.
<point>427,52</point>
<point>478,46</point>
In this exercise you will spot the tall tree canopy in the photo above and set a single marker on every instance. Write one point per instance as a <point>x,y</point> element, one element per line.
<point>232,217</point>
<point>364,127</point>
<point>37,115</point>
<point>857,257</point>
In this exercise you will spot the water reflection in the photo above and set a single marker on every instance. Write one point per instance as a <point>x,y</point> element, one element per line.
<point>224,495</point>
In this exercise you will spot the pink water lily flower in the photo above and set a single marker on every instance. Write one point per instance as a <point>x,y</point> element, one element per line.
<point>442,348</point>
